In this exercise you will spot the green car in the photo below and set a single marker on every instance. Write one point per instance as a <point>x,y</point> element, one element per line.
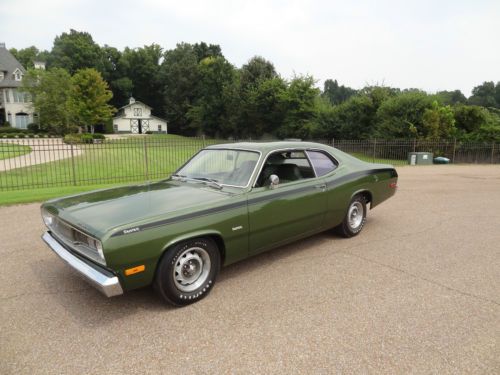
<point>227,203</point>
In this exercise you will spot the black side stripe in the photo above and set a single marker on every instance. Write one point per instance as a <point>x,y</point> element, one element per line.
<point>280,194</point>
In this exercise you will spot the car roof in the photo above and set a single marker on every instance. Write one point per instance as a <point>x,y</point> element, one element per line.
<point>266,147</point>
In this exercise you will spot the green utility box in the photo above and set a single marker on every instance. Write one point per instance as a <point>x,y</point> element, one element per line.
<point>420,158</point>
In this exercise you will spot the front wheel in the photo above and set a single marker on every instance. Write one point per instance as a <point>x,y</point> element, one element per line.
<point>355,219</point>
<point>187,271</point>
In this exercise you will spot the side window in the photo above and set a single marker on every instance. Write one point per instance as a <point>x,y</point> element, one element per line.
<point>287,165</point>
<point>321,162</point>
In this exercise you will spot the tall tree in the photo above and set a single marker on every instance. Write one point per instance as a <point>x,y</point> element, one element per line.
<point>210,112</point>
<point>451,97</point>
<point>50,91</point>
<point>75,50</point>
<point>438,121</point>
<point>484,95</point>
<point>27,56</point>
<point>204,50</point>
<point>142,67</point>
<point>257,69</point>
<point>401,116</point>
<point>299,105</point>
<point>335,93</point>
<point>179,77</point>
<point>89,99</point>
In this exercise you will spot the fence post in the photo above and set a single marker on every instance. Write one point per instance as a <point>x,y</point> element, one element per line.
<point>492,151</point>
<point>414,144</point>
<point>454,150</point>
<point>333,142</point>
<point>146,173</point>
<point>374,148</point>
<point>73,164</point>
<point>203,139</point>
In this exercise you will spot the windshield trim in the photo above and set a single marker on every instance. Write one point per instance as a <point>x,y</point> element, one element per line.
<point>230,149</point>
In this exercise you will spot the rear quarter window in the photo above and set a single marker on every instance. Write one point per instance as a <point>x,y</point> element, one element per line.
<point>322,163</point>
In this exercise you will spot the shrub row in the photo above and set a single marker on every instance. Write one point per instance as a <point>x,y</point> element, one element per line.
<point>26,135</point>
<point>83,138</point>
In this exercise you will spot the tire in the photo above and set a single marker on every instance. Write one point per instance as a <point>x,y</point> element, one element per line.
<point>187,271</point>
<point>355,218</point>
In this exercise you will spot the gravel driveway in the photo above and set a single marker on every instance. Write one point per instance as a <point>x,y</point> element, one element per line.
<point>417,292</point>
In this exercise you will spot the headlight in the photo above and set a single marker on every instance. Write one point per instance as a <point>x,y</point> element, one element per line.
<point>48,218</point>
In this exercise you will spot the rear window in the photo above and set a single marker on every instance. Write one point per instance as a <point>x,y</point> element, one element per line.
<point>321,162</point>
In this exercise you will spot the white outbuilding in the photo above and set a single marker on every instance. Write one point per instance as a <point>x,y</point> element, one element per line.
<point>136,118</point>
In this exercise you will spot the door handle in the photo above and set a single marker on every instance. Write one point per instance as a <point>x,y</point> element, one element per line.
<point>321,186</point>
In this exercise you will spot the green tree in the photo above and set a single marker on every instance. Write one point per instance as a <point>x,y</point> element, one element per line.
<point>484,95</point>
<point>262,109</point>
<point>210,112</point>
<point>89,99</point>
<point>257,69</point>
<point>204,50</point>
<point>336,94</point>
<point>50,91</point>
<point>27,56</point>
<point>299,105</point>
<point>142,68</point>
<point>438,121</point>
<point>469,118</point>
<point>179,75</point>
<point>356,117</point>
<point>401,116</point>
<point>451,97</point>
<point>75,50</point>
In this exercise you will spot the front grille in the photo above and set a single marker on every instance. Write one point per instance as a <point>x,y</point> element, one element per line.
<point>76,240</point>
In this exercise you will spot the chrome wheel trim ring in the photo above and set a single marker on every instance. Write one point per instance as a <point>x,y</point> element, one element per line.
<point>191,269</point>
<point>355,215</point>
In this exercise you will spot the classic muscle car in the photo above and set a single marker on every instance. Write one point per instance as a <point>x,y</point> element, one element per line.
<point>228,202</point>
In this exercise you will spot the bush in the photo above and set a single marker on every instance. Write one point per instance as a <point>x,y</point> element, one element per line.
<point>98,136</point>
<point>86,138</point>
<point>6,124</point>
<point>34,128</point>
<point>72,138</point>
<point>5,130</point>
<point>149,132</point>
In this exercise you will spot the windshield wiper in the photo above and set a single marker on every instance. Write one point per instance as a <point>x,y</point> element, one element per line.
<point>210,180</point>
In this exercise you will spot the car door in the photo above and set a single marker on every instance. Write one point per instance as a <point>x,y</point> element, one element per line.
<point>291,210</point>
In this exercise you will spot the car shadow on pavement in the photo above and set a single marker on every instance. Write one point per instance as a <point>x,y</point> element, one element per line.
<point>64,287</point>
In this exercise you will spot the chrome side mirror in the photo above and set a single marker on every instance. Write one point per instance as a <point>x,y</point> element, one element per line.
<point>273,181</point>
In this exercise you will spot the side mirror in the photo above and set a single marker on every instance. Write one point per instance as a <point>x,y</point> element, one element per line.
<point>273,181</point>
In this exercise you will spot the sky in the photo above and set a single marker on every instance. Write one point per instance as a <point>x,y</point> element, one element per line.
<point>430,45</point>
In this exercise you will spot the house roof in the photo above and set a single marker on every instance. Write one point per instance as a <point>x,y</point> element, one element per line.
<point>8,64</point>
<point>135,102</point>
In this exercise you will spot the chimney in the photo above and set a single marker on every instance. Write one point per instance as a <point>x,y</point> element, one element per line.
<point>131,100</point>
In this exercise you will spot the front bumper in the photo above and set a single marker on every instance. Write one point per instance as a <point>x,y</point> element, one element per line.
<point>100,278</point>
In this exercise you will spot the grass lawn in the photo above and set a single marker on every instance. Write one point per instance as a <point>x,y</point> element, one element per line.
<point>119,161</point>
<point>43,194</point>
<point>10,150</point>
<point>378,160</point>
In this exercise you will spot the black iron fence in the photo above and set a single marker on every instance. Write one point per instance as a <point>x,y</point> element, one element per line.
<point>39,163</point>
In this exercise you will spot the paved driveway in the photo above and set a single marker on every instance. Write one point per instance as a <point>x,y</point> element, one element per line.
<point>417,292</point>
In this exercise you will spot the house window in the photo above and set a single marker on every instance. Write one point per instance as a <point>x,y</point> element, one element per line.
<point>137,111</point>
<point>17,75</point>
<point>159,128</point>
<point>22,120</point>
<point>7,95</point>
<point>1,76</point>
<point>9,118</point>
<point>115,128</point>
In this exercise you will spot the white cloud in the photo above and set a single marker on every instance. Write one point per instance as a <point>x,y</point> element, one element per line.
<point>425,44</point>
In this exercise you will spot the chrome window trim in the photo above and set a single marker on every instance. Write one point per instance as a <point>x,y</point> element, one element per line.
<point>304,149</point>
<point>230,149</point>
<point>328,154</point>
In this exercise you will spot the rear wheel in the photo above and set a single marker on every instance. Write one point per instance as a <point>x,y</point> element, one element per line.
<point>355,218</point>
<point>187,271</point>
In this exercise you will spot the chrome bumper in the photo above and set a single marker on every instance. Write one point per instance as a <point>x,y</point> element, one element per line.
<point>103,280</point>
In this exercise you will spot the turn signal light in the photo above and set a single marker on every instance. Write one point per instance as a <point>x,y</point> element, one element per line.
<point>393,185</point>
<point>134,270</point>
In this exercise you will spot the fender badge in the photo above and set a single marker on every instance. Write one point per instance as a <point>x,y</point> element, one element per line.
<point>237,228</point>
<point>131,230</point>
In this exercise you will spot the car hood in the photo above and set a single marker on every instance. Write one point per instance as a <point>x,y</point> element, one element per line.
<point>100,211</point>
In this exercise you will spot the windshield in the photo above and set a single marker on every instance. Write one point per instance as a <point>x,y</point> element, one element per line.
<point>225,167</point>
